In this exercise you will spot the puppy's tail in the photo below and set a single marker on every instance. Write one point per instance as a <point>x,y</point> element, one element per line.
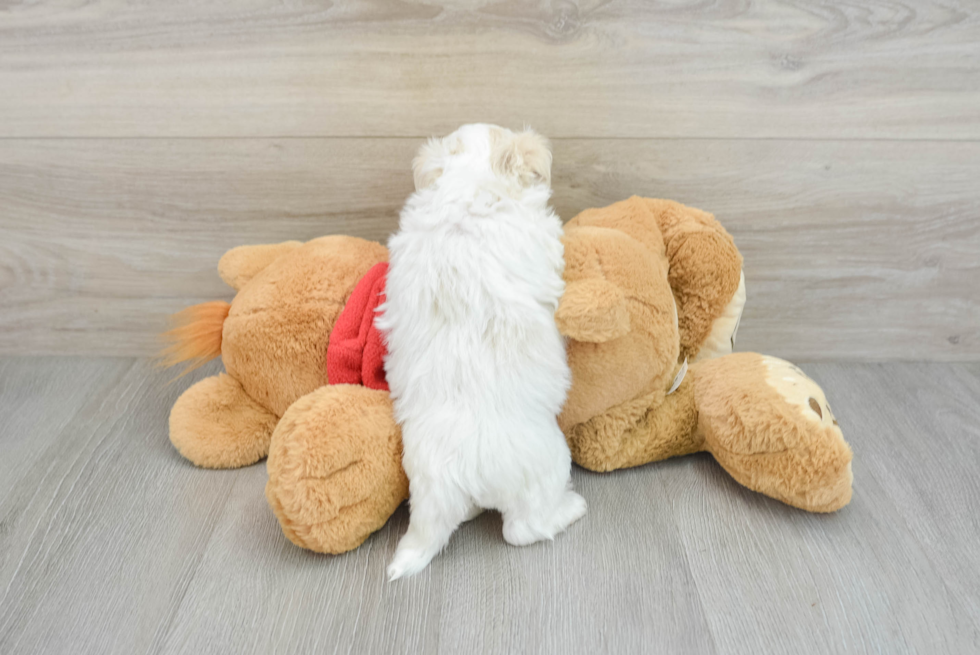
<point>195,337</point>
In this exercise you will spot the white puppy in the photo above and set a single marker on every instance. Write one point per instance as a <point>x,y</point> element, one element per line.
<point>475,364</point>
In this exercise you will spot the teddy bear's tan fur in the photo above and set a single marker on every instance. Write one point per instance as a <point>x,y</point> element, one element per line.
<point>651,284</point>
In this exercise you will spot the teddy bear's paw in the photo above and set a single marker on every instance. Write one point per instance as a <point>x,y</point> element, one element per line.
<point>770,426</point>
<point>215,424</point>
<point>797,389</point>
<point>829,485</point>
<point>335,473</point>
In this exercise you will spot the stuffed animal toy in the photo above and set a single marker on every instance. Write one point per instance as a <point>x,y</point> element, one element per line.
<point>654,292</point>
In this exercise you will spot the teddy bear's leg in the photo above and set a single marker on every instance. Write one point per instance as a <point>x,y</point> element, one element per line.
<point>335,467</point>
<point>215,424</point>
<point>646,429</point>
<point>771,428</point>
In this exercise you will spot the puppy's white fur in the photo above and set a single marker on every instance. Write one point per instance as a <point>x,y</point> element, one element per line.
<point>476,366</point>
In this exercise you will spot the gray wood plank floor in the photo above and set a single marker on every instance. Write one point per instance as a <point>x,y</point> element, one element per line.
<point>111,543</point>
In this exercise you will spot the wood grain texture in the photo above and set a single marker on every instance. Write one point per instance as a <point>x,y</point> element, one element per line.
<point>112,515</point>
<point>929,471</point>
<point>868,571</point>
<point>859,250</point>
<point>31,421</point>
<point>903,70</point>
<point>110,543</point>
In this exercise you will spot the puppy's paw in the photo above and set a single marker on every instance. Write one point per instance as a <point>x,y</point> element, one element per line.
<point>525,531</point>
<point>572,508</point>
<point>408,561</point>
<point>522,533</point>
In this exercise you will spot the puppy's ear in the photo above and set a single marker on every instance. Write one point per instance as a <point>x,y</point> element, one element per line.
<point>425,166</point>
<point>525,156</point>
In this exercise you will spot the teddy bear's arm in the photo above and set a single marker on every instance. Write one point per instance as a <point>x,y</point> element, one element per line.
<point>593,311</point>
<point>241,264</point>
<point>705,272</point>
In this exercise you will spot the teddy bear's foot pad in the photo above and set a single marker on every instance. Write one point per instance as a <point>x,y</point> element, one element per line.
<point>215,424</point>
<point>335,472</point>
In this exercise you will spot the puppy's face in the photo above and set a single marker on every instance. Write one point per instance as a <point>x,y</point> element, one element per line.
<point>481,152</point>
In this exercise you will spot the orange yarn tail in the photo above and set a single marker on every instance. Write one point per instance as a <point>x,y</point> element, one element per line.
<point>196,335</point>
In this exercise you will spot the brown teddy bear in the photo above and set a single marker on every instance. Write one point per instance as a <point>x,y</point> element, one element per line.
<point>651,285</point>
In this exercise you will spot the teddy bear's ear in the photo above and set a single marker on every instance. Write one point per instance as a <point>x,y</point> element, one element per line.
<point>593,311</point>
<point>239,265</point>
<point>426,167</point>
<point>524,156</point>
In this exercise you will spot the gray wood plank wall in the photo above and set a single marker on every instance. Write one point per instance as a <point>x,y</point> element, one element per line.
<point>840,144</point>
